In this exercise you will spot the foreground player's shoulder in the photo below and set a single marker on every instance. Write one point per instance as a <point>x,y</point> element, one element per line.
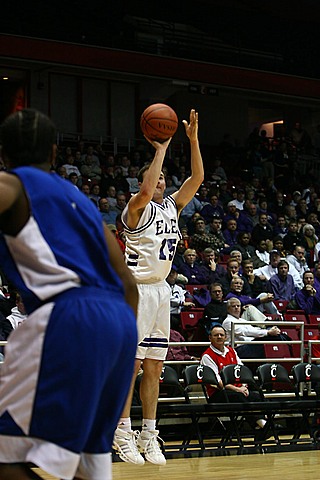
<point>10,190</point>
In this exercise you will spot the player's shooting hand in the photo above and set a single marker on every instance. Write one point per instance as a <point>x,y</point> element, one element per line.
<point>191,128</point>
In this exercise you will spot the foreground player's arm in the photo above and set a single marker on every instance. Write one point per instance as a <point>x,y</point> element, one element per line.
<point>14,206</point>
<point>119,265</point>
<point>190,187</point>
<point>138,202</point>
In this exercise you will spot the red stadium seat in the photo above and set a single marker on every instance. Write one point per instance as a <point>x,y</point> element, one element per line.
<point>281,304</point>
<point>190,319</point>
<point>314,319</point>
<point>295,317</point>
<point>278,350</point>
<point>190,288</point>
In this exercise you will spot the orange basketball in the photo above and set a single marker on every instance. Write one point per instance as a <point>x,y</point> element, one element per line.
<point>159,122</point>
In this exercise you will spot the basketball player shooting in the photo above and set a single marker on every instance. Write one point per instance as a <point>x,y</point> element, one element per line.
<point>152,233</point>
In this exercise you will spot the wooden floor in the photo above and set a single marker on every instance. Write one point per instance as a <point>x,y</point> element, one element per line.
<point>303,465</point>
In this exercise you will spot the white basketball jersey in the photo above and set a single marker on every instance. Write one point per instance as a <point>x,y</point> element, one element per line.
<point>150,247</point>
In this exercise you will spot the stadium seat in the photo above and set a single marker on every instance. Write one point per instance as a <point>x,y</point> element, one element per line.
<point>190,288</point>
<point>314,319</point>
<point>281,304</point>
<point>191,318</point>
<point>295,317</point>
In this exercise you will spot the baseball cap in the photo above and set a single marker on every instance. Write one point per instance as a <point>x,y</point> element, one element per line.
<point>276,252</point>
<point>112,227</point>
<point>232,203</point>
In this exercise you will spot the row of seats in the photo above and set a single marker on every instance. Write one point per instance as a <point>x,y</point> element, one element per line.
<point>270,380</point>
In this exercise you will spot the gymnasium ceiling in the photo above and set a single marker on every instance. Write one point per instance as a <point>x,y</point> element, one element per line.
<point>275,35</point>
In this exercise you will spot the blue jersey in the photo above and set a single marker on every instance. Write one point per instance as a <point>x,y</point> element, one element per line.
<point>62,245</point>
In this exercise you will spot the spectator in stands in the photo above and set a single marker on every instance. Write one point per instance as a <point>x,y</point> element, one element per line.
<point>237,255</point>
<point>216,310</point>
<point>202,196</point>
<point>230,234</point>
<point>214,228</point>
<point>108,216</point>
<point>179,299</point>
<point>262,251</point>
<point>252,215</point>
<point>240,198</point>
<point>71,167</point>
<point>256,284</point>
<point>311,240</point>
<point>266,272</point>
<point>201,239</point>
<point>112,196</point>
<point>85,189</point>
<point>90,169</point>
<point>91,153</point>
<point>224,194</point>
<point>263,302</point>
<point>212,209</point>
<point>217,356</point>
<point>95,194</point>
<point>298,260</point>
<point>233,267</point>
<point>280,227</point>
<point>282,285</point>
<point>192,207</point>
<point>243,245</point>
<point>278,245</point>
<point>308,298</point>
<point>121,203</point>
<point>170,187</point>
<point>263,230</point>
<point>132,179</point>
<point>213,269</point>
<point>74,179</point>
<point>312,219</point>
<point>191,269</point>
<point>293,237</point>
<point>246,332</point>
<point>178,259</point>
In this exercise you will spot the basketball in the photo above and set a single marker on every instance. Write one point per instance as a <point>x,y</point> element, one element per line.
<point>159,122</point>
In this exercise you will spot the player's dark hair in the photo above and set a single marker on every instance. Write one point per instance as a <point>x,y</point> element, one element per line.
<point>27,137</point>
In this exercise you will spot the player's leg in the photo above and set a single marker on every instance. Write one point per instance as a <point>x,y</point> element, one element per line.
<point>124,441</point>
<point>149,387</point>
<point>17,471</point>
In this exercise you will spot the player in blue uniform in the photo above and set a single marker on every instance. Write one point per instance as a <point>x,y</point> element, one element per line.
<point>152,233</point>
<point>68,368</point>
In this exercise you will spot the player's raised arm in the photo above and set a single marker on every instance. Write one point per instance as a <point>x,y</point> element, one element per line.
<point>148,184</point>
<point>189,188</point>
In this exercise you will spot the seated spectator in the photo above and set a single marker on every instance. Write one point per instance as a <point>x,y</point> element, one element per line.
<point>212,209</point>
<point>243,245</point>
<point>280,228</point>
<point>201,239</point>
<point>216,310</point>
<point>263,230</point>
<point>214,228</point>
<point>121,202</point>
<point>90,170</point>
<point>257,285</point>
<point>95,194</point>
<point>217,356</point>
<point>246,332</point>
<point>282,285</point>
<point>191,269</point>
<point>132,179</point>
<point>209,263</point>
<point>108,216</point>
<point>233,267</point>
<point>263,302</point>
<point>308,298</point>
<point>178,259</point>
<point>179,299</point>
<point>252,214</point>
<point>311,239</point>
<point>278,245</point>
<point>71,167</point>
<point>193,206</point>
<point>236,255</point>
<point>298,260</point>
<point>262,252</point>
<point>230,234</point>
<point>266,272</point>
<point>293,237</point>
<point>239,200</point>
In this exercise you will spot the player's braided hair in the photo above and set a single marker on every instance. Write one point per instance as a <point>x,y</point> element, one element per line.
<point>27,137</point>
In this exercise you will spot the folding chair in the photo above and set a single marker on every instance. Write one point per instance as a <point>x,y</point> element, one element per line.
<point>273,379</point>
<point>233,374</point>
<point>195,375</point>
<point>307,382</point>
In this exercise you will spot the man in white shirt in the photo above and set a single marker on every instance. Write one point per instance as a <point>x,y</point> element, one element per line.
<point>298,260</point>
<point>266,272</point>
<point>245,331</point>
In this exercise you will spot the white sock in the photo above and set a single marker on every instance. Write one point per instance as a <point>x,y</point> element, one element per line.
<point>148,424</point>
<point>125,424</point>
<point>261,422</point>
